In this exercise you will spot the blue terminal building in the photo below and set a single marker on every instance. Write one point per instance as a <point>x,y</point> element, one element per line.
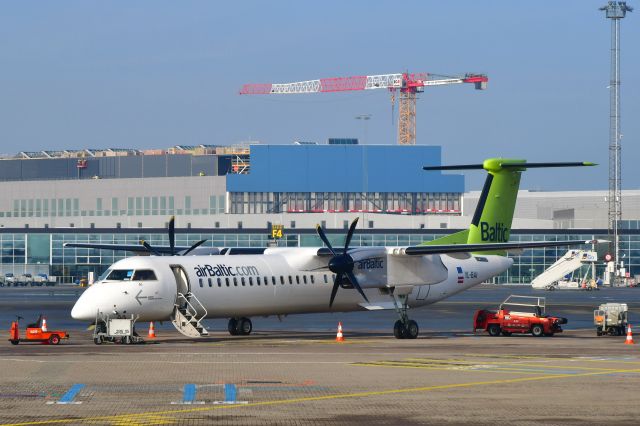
<point>344,178</point>
<point>234,196</point>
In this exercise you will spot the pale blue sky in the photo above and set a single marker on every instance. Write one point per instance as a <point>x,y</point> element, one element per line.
<point>149,74</point>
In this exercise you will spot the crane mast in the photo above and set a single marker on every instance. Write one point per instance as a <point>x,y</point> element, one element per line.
<point>409,85</point>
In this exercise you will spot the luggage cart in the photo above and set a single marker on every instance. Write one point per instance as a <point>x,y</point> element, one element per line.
<point>115,330</point>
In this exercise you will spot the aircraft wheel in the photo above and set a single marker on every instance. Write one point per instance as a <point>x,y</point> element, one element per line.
<point>244,327</point>
<point>398,330</point>
<point>54,339</point>
<point>412,330</point>
<point>494,330</point>
<point>233,326</point>
<point>537,330</point>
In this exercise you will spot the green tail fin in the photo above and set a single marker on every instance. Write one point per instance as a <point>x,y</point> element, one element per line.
<point>491,222</point>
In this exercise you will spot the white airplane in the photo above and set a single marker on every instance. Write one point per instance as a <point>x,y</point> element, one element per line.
<point>187,286</point>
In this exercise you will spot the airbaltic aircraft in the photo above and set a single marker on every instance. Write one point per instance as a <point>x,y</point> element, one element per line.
<point>187,286</point>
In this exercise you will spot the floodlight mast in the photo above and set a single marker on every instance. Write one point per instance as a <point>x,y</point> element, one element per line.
<point>615,10</point>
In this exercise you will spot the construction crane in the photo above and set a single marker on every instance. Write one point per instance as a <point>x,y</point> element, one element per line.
<point>409,85</point>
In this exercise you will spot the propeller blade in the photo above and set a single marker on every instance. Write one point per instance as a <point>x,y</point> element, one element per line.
<point>354,281</point>
<point>324,238</point>
<point>334,290</point>
<point>198,244</point>
<point>352,228</point>
<point>149,248</point>
<point>172,234</point>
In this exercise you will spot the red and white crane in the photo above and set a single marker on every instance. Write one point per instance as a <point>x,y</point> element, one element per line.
<point>409,85</point>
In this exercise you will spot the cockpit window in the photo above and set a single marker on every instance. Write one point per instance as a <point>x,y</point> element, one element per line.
<point>120,275</point>
<point>144,275</point>
<point>104,275</point>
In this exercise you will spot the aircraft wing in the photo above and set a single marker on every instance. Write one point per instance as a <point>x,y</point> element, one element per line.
<point>473,248</point>
<point>137,248</point>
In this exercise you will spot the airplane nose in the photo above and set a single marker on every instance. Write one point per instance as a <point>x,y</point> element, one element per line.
<point>82,310</point>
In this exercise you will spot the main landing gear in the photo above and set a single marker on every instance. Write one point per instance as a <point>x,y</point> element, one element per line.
<point>240,326</point>
<point>404,328</point>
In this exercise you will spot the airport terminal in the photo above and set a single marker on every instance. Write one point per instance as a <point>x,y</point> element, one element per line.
<point>233,196</point>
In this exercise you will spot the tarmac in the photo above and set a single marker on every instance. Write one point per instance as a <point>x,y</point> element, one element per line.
<point>303,376</point>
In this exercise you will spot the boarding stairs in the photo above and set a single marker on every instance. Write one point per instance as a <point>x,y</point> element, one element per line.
<point>571,261</point>
<point>188,314</point>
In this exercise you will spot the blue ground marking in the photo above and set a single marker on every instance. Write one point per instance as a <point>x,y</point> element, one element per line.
<point>189,393</point>
<point>68,397</point>
<point>230,393</point>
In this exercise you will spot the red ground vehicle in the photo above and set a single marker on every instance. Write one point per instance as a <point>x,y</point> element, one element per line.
<point>518,314</point>
<point>34,333</point>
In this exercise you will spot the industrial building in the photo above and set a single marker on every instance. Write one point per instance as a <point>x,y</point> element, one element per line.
<point>234,195</point>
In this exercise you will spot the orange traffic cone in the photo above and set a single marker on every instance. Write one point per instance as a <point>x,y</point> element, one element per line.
<point>339,336</point>
<point>629,340</point>
<point>44,324</point>
<point>152,331</point>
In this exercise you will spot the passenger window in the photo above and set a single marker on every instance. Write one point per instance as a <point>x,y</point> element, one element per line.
<point>313,281</point>
<point>297,279</point>
<point>290,279</point>
<point>325,279</point>
<point>219,282</point>
<point>273,279</point>
<point>227,281</point>
<point>242,281</point>
<point>200,280</point>
<point>210,282</point>
<point>144,275</point>
<point>281,280</point>
<point>304,279</point>
<point>235,282</point>
<point>251,281</point>
<point>258,280</point>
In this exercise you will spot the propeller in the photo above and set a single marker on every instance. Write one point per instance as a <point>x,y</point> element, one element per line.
<point>341,264</point>
<point>172,242</point>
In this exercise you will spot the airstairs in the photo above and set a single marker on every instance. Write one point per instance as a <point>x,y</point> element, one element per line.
<point>188,314</point>
<point>567,264</point>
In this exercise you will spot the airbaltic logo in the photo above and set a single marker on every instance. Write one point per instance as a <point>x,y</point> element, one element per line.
<point>371,263</point>
<point>498,233</point>
<point>225,271</point>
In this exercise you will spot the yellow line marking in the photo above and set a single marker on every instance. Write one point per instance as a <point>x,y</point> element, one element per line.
<point>498,363</point>
<point>573,359</point>
<point>133,416</point>
<point>462,369</point>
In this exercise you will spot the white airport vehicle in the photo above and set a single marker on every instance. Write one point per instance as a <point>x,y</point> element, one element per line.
<point>194,283</point>
<point>611,318</point>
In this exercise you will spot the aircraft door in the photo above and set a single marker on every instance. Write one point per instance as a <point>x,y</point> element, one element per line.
<point>423,292</point>
<point>182,280</point>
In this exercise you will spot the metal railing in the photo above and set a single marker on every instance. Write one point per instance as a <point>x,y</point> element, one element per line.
<point>192,309</point>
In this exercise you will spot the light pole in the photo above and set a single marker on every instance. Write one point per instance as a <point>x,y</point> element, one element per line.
<point>615,11</point>
<point>365,118</point>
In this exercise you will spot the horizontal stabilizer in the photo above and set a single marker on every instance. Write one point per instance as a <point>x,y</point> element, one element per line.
<point>510,165</point>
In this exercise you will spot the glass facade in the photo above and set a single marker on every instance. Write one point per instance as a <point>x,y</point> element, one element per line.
<point>136,206</point>
<point>27,252</point>
<point>320,202</point>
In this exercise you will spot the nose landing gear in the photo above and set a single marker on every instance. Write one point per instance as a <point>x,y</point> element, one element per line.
<point>240,326</point>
